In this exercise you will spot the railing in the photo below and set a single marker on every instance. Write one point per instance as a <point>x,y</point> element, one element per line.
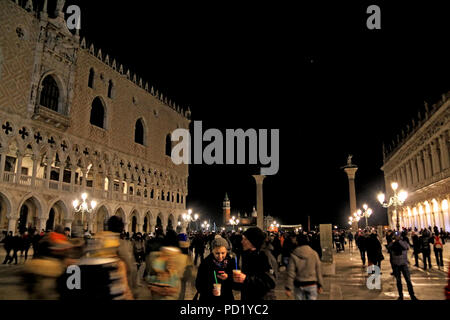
<point>8,177</point>
<point>25,180</point>
<point>39,183</point>
<point>53,184</point>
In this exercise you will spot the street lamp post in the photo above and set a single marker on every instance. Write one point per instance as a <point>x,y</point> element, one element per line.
<point>396,200</point>
<point>83,206</point>
<point>233,221</point>
<point>187,219</point>
<point>365,213</point>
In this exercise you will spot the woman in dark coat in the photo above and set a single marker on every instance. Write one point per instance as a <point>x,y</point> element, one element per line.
<point>374,254</point>
<point>220,262</point>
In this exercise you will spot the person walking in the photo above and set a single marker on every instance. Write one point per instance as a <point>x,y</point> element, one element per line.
<point>425,240</point>
<point>8,243</point>
<point>374,254</point>
<point>438,247</point>
<point>342,240</point>
<point>350,240</point>
<point>16,246</point>
<point>166,268</point>
<point>26,243</point>
<point>399,250</point>
<point>361,243</point>
<point>416,248</point>
<point>214,280</point>
<point>256,279</point>
<point>199,245</point>
<point>304,274</point>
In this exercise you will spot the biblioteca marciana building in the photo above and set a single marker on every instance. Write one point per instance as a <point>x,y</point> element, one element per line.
<point>73,121</point>
<point>419,162</point>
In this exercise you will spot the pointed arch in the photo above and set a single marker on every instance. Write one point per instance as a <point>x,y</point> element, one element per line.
<point>98,113</point>
<point>140,132</point>
<point>91,78</point>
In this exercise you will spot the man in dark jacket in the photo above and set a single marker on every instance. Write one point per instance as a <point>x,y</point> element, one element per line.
<point>199,245</point>
<point>8,242</point>
<point>256,279</point>
<point>425,240</point>
<point>373,246</point>
<point>361,243</point>
<point>236,245</point>
<point>416,248</point>
<point>399,249</point>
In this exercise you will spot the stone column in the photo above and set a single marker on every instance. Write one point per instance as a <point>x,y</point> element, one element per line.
<point>61,176</point>
<point>420,168</point>
<point>110,186</point>
<point>414,171</point>
<point>403,181</point>
<point>41,223</point>
<point>444,152</point>
<point>35,159</point>
<point>139,227</point>
<point>2,165</point>
<point>435,158</point>
<point>48,170</point>
<point>73,169</point>
<point>259,201</point>
<point>12,225</point>
<point>408,174</point>
<point>68,224</point>
<point>426,158</point>
<point>351,171</point>
<point>19,167</point>
<point>90,222</point>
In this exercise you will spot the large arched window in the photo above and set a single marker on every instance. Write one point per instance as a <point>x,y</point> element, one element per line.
<point>168,145</point>
<point>50,93</point>
<point>91,78</point>
<point>98,113</point>
<point>139,133</point>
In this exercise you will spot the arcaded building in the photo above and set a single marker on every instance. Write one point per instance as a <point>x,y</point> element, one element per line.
<point>419,162</point>
<point>74,120</point>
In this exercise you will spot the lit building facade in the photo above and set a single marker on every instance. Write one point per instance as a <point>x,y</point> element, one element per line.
<point>419,162</point>
<point>74,120</point>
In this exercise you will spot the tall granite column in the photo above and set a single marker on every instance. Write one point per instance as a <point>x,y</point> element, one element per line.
<point>259,201</point>
<point>350,169</point>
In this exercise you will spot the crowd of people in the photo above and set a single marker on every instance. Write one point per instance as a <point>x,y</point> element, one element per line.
<point>116,265</point>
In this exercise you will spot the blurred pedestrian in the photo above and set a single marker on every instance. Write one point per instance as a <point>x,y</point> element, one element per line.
<point>362,243</point>
<point>350,240</point>
<point>26,243</point>
<point>256,279</point>
<point>8,245</point>
<point>165,269</point>
<point>399,249</point>
<point>304,272</point>
<point>374,254</point>
<point>199,244</point>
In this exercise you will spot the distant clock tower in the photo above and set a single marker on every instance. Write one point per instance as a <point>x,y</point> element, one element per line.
<point>226,210</point>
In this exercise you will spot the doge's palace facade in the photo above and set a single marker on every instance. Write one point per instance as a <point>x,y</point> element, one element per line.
<point>74,120</point>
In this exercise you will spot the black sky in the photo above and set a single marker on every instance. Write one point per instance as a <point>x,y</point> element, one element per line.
<point>312,70</point>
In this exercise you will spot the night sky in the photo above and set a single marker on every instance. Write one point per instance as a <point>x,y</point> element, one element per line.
<point>314,71</point>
